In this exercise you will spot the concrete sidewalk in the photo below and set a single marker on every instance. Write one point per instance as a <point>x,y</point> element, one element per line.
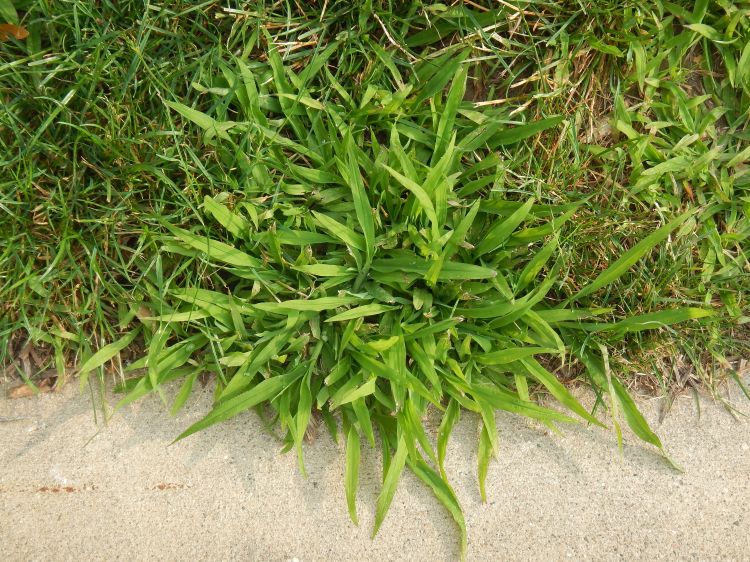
<point>226,493</point>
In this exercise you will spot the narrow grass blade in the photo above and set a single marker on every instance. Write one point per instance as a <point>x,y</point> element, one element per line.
<point>219,251</point>
<point>343,233</point>
<point>307,305</point>
<point>184,392</point>
<point>422,197</point>
<point>351,480</point>
<point>105,354</point>
<point>302,418</point>
<point>363,417</point>
<point>521,132</point>
<point>390,483</point>
<point>558,390</point>
<point>448,116</point>
<point>360,311</point>
<point>361,202</point>
<point>629,258</point>
<point>210,125</point>
<point>234,223</point>
<point>652,320</point>
<point>440,78</point>
<point>263,391</point>
<point>499,233</point>
<point>484,454</point>
<point>445,494</point>
<point>510,355</point>
<point>354,394</point>
<point>450,418</point>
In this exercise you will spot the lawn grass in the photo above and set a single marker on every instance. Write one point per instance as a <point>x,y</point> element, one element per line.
<point>356,211</point>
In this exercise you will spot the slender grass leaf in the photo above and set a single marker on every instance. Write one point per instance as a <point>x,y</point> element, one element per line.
<point>450,418</point>
<point>234,223</point>
<point>354,394</point>
<point>104,354</point>
<point>302,418</point>
<point>325,270</point>
<point>557,389</point>
<point>440,78</point>
<point>343,233</point>
<point>629,258</point>
<point>633,416</point>
<point>521,132</point>
<point>651,321</point>
<point>423,198</point>
<point>264,391</point>
<point>484,454</point>
<point>306,305</point>
<point>445,494</point>
<point>184,392</point>
<point>216,250</point>
<point>499,233</point>
<point>363,417</point>
<point>510,355</point>
<point>211,126</point>
<point>390,483</point>
<point>351,480</point>
<point>361,202</point>
<point>360,311</point>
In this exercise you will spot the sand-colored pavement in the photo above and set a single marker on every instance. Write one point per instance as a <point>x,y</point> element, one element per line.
<point>70,493</point>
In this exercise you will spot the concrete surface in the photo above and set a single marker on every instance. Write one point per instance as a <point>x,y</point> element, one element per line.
<point>226,493</point>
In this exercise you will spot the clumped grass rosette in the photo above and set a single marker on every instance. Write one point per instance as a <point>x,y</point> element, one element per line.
<point>368,272</point>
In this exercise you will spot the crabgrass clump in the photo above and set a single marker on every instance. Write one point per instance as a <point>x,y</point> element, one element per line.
<point>359,211</point>
<point>368,271</point>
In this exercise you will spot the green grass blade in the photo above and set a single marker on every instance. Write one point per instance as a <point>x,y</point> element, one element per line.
<point>302,418</point>
<point>653,320</point>
<point>354,394</point>
<point>390,483</point>
<point>510,355</point>
<point>351,480</point>
<point>450,418</point>
<point>343,233</point>
<point>184,393</point>
<point>234,223</point>
<point>361,202</point>
<point>306,305</point>
<point>445,494</point>
<point>262,392</point>
<point>211,126</point>
<point>360,311</point>
<point>521,132</point>
<point>219,251</point>
<point>499,233</point>
<point>629,258</point>
<point>424,200</point>
<point>440,78</point>
<point>557,389</point>
<point>484,454</point>
<point>104,354</point>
